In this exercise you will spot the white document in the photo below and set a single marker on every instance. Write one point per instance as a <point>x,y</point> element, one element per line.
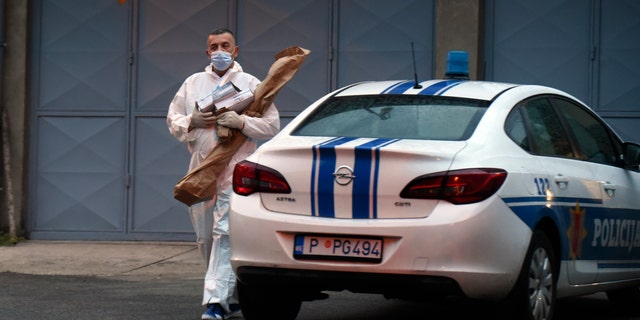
<point>208,103</point>
<point>237,102</point>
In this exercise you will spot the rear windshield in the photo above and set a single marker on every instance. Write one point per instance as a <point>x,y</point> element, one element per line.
<point>395,117</point>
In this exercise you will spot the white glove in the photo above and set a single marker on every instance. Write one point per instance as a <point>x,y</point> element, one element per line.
<point>201,119</point>
<point>231,119</point>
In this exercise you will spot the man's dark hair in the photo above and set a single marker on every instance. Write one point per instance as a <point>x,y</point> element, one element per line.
<point>222,31</point>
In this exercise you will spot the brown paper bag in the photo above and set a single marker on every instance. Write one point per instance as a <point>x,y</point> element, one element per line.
<point>200,183</point>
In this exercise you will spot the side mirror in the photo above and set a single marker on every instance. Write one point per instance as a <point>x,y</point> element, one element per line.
<point>631,156</point>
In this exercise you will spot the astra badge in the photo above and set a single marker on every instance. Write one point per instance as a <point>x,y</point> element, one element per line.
<point>343,175</point>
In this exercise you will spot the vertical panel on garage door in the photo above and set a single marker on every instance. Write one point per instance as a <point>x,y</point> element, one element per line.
<point>266,27</point>
<point>377,44</point>
<point>540,42</point>
<point>620,56</point>
<point>3,217</point>
<point>171,44</point>
<point>79,98</point>
<point>618,83</point>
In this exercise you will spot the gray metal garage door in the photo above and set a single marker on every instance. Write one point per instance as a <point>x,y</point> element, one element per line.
<point>587,48</point>
<point>103,164</point>
<point>80,117</point>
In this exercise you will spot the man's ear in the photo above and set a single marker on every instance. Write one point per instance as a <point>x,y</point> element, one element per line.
<point>235,52</point>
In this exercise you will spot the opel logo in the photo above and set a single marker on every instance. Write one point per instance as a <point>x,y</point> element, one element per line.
<point>343,175</point>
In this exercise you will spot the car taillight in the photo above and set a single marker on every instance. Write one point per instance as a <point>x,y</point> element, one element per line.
<point>249,177</point>
<point>458,186</point>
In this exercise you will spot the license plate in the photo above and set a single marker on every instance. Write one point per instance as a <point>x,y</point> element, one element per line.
<point>308,246</point>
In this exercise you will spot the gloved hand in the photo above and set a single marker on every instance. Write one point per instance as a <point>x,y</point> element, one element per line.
<point>201,119</point>
<point>231,119</point>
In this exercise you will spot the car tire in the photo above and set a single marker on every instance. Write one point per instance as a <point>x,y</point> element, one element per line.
<point>260,302</point>
<point>626,300</point>
<point>534,294</point>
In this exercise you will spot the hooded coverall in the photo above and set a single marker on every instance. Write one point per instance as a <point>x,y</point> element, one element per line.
<point>210,218</point>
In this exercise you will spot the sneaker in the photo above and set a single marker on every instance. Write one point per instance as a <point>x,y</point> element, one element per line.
<point>234,311</point>
<point>214,312</point>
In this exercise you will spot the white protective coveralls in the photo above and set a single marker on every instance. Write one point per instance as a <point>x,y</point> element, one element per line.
<point>210,218</point>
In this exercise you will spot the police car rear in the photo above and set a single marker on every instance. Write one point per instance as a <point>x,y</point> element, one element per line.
<point>403,189</point>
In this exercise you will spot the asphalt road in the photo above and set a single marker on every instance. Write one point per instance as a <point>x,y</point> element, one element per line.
<point>58,297</point>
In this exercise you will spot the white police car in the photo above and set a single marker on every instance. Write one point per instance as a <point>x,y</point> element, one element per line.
<point>492,191</point>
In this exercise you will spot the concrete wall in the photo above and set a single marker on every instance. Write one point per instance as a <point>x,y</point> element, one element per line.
<point>14,93</point>
<point>459,27</point>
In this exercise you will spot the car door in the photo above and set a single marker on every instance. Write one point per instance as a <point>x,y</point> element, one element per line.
<point>569,182</point>
<point>614,230</point>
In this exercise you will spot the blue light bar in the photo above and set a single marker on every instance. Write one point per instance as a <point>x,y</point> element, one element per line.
<point>457,65</point>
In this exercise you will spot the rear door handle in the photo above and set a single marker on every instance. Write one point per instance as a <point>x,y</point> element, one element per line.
<point>609,188</point>
<point>561,181</point>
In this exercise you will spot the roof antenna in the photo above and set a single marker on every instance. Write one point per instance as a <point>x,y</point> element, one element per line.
<point>415,73</point>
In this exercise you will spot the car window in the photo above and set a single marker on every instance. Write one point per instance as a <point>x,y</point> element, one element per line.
<point>395,117</point>
<point>535,126</point>
<point>594,142</point>
<point>515,128</point>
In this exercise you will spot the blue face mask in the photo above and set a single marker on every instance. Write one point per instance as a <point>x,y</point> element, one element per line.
<point>221,60</point>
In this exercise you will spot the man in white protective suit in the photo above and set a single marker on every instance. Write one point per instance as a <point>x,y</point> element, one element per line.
<point>198,129</point>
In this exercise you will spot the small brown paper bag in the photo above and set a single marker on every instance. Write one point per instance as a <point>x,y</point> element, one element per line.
<point>200,183</point>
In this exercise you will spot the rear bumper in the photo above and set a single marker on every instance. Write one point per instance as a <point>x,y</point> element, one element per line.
<point>476,249</point>
<point>312,281</point>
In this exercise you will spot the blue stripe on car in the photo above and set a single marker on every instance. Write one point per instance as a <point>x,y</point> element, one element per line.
<point>376,174</point>
<point>392,86</point>
<point>441,92</point>
<point>398,88</point>
<point>439,87</point>
<point>616,245</point>
<point>554,199</point>
<point>325,154</point>
<point>366,171</point>
<point>364,163</point>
